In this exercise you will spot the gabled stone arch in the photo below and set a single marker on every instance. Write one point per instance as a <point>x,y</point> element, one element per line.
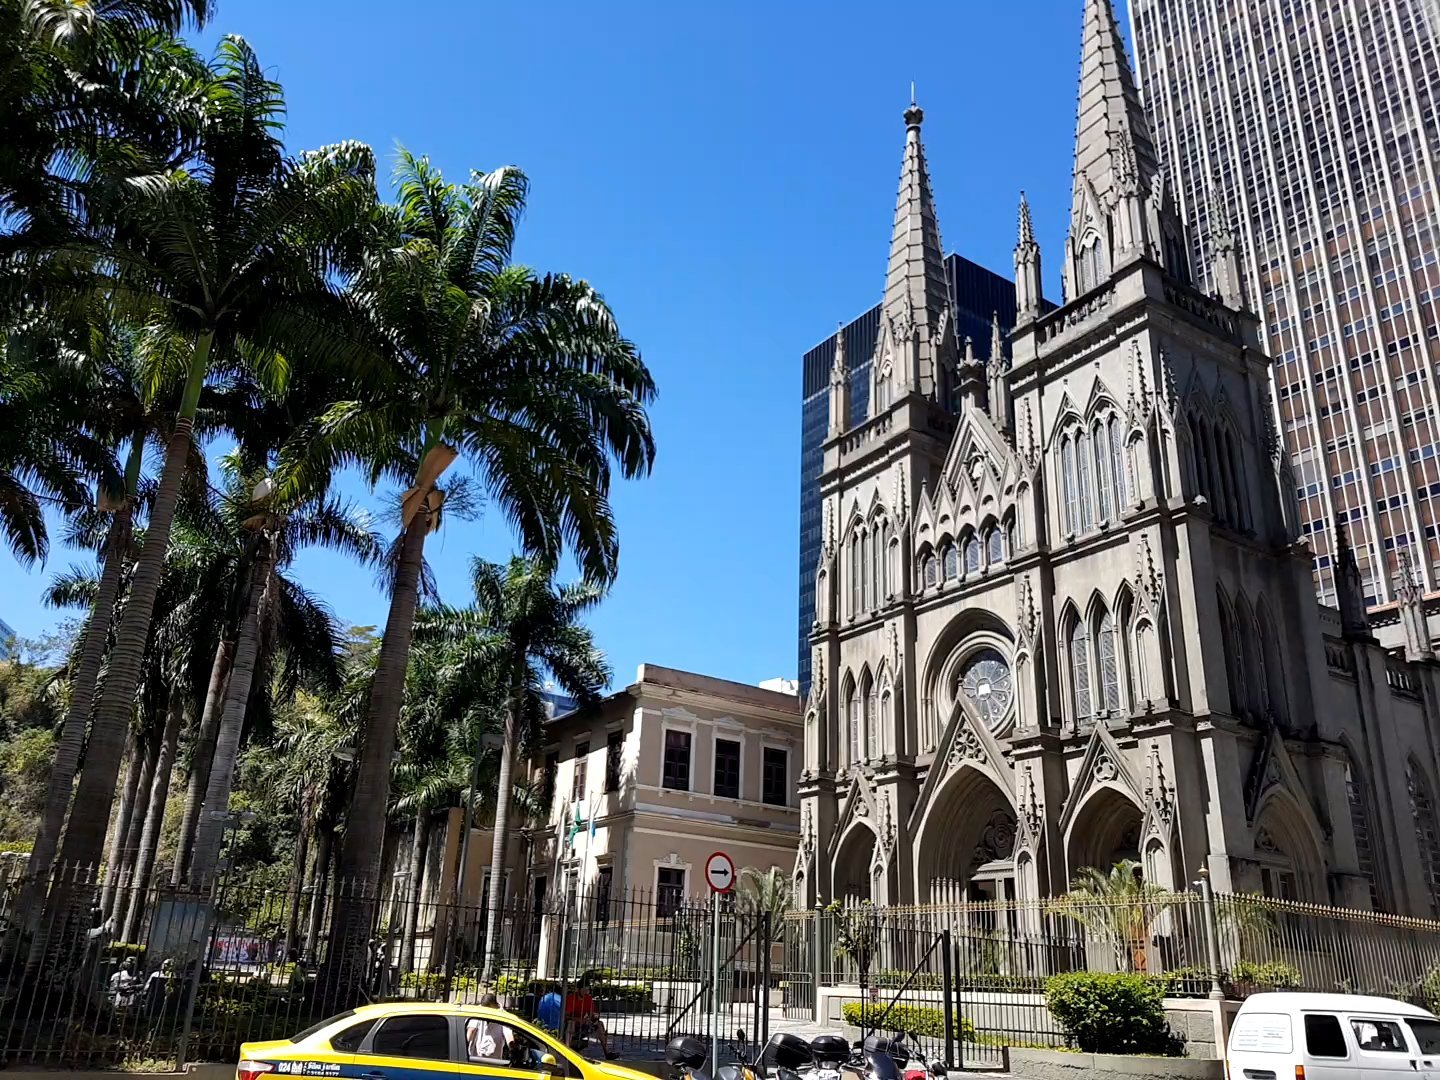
<point>1286,828</point>
<point>854,857</point>
<point>1105,804</point>
<point>968,824</point>
<point>1067,414</point>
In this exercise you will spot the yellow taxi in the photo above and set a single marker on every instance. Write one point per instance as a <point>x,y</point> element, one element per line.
<point>412,1040</point>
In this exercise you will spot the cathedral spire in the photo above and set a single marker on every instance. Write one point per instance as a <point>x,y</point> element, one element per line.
<point>1410,599</point>
<point>1225,280</point>
<point>1027,267</point>
<point>917,297</point>
<point>839,388</point>
<point>1115,163</point>
<point>1354,622</point>
<point>971,379</point>
<point>1000,405</point>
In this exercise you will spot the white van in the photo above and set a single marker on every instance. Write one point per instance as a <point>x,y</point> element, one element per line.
<point>1285,1036</point>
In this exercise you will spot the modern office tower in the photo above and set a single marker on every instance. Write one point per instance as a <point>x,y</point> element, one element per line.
<point>1308,127</point>
<point>976,297</point>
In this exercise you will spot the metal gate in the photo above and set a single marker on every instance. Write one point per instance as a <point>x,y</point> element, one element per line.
<point>799,964</point>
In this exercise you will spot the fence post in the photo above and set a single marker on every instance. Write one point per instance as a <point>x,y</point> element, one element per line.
<point>816,960</point>
<point>1212,932</point>
<point>765,980</point>
<point>947,968</point>
<point>192,981</point>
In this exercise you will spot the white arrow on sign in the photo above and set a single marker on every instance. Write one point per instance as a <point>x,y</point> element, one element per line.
<point>720,872</point>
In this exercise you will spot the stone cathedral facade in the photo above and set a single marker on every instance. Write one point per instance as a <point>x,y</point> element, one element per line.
<point>1064,613</point>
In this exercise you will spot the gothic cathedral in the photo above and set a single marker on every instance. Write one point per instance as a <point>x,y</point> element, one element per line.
<point>1064,616</point>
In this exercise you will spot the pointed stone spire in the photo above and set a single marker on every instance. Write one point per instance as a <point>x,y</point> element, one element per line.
<point>971,379</point>
<point>1226,282</point>
<point>916,294</point>
<point>999,371</point>
<point>1410,599</point>
<point>1115,162</point>
<point>1027,268</point>
<point>839,388</point>
<point>1354,623</point>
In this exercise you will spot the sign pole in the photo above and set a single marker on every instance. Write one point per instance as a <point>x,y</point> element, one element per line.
<point>720,876</point>
<point>715,989</point>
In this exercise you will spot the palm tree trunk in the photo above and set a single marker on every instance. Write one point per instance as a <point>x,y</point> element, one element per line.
<point>123,871</point>
<point>365,824</point>
<point>297,875</point>
<point>211,830</point>
<point>82,703</point>
<point>136,759</point>
<point>85,833</point>
<point>324,843</point>
<point>419,842</point>
<point>497,846</point>
<point>154,818</point>
<point>201,756</point>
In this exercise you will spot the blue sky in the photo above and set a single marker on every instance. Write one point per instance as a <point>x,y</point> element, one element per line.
<point>725,174</point>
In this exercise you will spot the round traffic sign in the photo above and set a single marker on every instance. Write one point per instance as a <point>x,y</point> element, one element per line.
<point>720,872</point>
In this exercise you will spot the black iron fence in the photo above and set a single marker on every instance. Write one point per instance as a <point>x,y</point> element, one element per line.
<point>211,969</point>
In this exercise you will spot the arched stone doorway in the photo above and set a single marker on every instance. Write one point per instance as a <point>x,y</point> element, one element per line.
<point>1105,831</point>
<point>1287,859</point>
<point>852,864</point>
<point>966,844</point>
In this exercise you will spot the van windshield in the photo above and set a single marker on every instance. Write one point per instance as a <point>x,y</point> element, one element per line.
<point>1427,1034</point>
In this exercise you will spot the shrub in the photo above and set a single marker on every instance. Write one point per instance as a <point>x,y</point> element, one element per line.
<point>923,1020</point>
<point>1274,975</point>
<point>1112,1013</point>
<point>512,983</point>
<point>433,982</point>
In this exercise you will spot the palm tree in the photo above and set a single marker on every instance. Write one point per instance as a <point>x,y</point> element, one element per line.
<point>46,452</point>
<point>120,390</point>
<point>275,530</point>
<point>296,770</point>
<point>1118,906</point>
<point>82,86</point>
<point>234,253</point>
<point>526,376</point>
<point>520,627</point>
<point>766,894</point>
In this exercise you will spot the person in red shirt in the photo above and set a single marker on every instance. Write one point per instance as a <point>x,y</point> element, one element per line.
<point>582,1018</point>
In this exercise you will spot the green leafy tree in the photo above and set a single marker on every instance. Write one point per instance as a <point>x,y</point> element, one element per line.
<point>766,893</point>
<point>857,934</point>
<point>233,250</point>
<point>525,376</point>
<point>1117,906</point>
<point>520,627</point>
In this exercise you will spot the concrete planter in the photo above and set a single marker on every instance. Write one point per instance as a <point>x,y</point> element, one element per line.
<point>1059,1065</point>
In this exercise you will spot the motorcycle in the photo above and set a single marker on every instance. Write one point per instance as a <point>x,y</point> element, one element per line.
<point>687,1056</point>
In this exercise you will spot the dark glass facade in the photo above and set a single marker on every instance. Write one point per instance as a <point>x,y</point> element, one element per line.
<point>976,295</point>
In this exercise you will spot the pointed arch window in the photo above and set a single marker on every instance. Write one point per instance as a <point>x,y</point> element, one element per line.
<point>930,570</point>
<point>1080,669</point>
<point>1082,479</point>
<point>1067,484</point>
<point>994,546</point>
<point>1227,648</point>
<point>1089,266</point>
<point>856,573</point>
<point>1117,462</point>
<point>1107,663</point>
<point>1427,830</point>
<point>950,564</point>
<point>1360,826</point>
<point>1104,475</point>
<point>972,554</point>
<point>886,555</point>
<point>872,729</point>
<point>1012,534</point>
<point>852,724</point>
<point>867,586</point>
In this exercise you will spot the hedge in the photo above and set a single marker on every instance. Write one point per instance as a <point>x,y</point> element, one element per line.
<point>1275,975</point>
<point>1112,1012</point>
<point>911,1019</point>
<point>434,982</point>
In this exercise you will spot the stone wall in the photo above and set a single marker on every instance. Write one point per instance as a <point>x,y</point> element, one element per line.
<point>1063,1065</point>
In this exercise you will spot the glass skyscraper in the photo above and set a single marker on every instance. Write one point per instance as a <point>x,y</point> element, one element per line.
<point>1311,125</point>
<point>976,296</point>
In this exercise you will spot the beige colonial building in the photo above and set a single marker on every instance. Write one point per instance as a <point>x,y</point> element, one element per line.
<point>1064,615</point>
<point>670,769</point>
